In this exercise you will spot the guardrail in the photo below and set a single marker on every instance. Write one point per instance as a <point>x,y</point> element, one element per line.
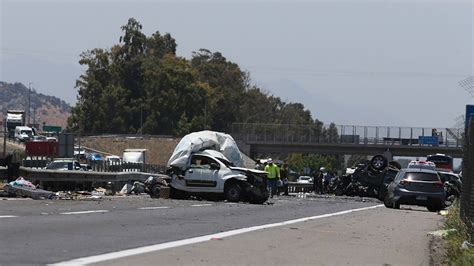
<point>295,187</point>
<point>38,175</point>
<point>348,134</point>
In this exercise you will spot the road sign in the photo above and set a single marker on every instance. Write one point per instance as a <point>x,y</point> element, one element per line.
<point>428,140</point>
<point>47,128</point>
<point>469,114</point>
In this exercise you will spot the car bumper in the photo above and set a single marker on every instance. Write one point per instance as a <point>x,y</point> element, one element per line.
<point>419,198</point>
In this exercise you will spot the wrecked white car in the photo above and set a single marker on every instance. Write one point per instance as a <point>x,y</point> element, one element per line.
<point>199,167</point>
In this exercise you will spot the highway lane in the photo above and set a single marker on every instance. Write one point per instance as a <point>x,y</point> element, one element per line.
<point>42,232</point>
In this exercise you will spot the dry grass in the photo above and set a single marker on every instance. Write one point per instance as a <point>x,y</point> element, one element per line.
<point>159,149</point>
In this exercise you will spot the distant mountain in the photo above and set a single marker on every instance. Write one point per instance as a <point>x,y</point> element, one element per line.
<point>44,109</point>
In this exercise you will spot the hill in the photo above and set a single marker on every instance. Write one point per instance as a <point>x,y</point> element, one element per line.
<point>45,109</point>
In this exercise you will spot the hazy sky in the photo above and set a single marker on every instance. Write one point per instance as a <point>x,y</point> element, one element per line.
<point>350,62</point>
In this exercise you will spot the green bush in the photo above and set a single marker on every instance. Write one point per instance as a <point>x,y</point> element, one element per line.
<point>455,255</point>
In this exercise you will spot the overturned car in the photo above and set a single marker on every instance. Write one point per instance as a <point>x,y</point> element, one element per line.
<point>208,164</point>
<point>370,179</point>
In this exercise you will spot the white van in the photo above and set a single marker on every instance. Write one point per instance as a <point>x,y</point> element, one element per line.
<point>23,133</point>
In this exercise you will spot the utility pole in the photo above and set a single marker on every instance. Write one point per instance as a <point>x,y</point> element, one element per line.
<point>4,137</point>
<point>29,101</point>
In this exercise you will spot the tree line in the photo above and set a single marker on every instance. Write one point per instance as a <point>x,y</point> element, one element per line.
<point>140,85</point>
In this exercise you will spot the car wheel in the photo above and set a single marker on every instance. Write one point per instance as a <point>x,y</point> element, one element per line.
<point>378,162</point>
<point>396,205</point>
<point>387,202</point>
<point>233,192</point>
<point>155,191</point>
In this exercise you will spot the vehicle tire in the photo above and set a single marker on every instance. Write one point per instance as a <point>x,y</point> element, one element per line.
<point>378,162</point>
<point>155,191</point>
<point>396,205</point>
<point>338,191</point>
<point>233,192</point>
<point>387,202</point>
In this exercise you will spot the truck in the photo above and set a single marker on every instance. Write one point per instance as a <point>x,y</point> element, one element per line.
<point>134,160</point>
<point>208,164</point>
<point>14,118</point>
<point>23,133</point>
<point>135,156</point>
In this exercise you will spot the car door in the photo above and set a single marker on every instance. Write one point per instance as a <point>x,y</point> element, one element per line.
<point>202,173</point>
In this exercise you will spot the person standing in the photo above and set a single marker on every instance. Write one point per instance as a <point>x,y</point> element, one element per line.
<point>273,175</point>
<point>284,178</point>
<point>327,180</point>
<point>318,180</point>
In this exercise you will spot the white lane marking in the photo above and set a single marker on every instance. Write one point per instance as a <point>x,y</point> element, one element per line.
<point>8,216</point>
<point>199,239</point>
<point>153,208</point>
<point>16,199</point>
<point>201,205</point>
<point>84,212</point>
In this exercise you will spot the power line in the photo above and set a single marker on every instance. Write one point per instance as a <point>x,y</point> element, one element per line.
<point>348,72</point>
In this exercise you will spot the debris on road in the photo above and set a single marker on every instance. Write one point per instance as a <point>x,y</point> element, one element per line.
<point>24,188</point>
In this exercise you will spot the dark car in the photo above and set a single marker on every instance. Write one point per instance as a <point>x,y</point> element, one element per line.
<point>64,164</point>
<point>414,186</point>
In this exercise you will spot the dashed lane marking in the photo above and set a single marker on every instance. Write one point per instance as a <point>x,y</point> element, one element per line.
<point>153,208</point>
<point>201,205</point>
<point>84,212</point>
<point>8,216</point>
<point>199,239</point>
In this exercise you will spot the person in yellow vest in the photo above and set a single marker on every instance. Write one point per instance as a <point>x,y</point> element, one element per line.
<point>273,175</point>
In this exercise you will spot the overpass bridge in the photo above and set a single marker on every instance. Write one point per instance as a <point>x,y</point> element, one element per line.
<point>266,139</point>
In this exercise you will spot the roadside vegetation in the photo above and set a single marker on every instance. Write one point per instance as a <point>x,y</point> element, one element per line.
<point>455,254</point>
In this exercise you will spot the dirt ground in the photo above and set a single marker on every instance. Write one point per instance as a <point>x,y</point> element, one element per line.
<point>159,149</point>
<point>437,250</point>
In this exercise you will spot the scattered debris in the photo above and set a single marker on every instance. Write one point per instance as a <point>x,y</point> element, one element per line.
<point>28,192</point>
<point>443,212</point>
<point>466,245</point>
<point>442,233</point>
<point>21,182</point>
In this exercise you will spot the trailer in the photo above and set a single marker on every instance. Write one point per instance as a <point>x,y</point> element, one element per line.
<point>14,119</point>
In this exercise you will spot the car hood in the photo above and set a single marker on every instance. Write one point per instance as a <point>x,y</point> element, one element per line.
<point>247,170</point>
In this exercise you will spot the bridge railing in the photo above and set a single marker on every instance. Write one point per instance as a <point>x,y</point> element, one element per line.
<point>348,134</point>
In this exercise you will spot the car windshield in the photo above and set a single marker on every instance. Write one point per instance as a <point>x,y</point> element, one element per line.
<point>422,176</point>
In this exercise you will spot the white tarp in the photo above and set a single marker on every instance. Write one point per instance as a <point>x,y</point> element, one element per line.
<point>203,140</point>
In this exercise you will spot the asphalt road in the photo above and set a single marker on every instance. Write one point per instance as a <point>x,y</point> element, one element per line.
<point>45,232</point>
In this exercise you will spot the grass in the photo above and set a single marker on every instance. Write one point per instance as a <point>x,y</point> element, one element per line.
<point>455,255</point>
